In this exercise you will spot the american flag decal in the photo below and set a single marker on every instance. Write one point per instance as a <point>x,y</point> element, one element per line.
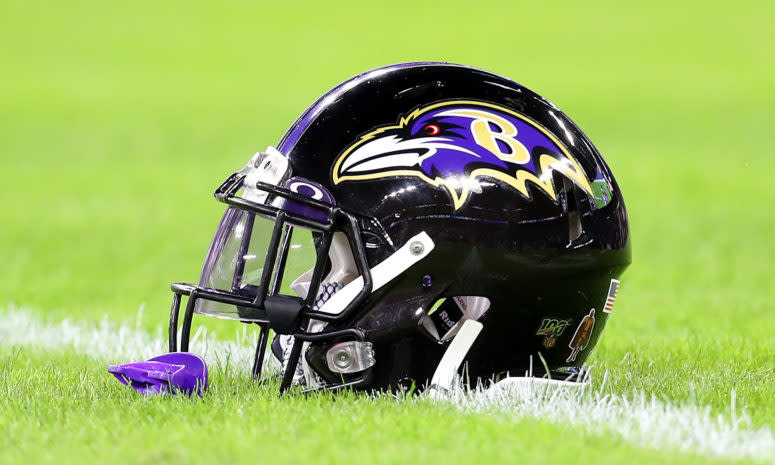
<point>611,298</point>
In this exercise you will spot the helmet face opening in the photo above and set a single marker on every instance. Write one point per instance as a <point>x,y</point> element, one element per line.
<point>400,188</point>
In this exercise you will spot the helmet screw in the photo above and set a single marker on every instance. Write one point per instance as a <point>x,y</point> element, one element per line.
<point>416,247</point>
<point>343,359</point>
<point>427,281</point>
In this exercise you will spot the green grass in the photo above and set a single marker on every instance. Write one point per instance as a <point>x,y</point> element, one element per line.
<point>87,415</point>
<point>117,120</point>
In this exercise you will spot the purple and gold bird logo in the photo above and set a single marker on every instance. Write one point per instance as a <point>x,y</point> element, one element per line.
<point>454,144</point>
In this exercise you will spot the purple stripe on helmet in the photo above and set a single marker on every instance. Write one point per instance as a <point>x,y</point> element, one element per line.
<point>306,118</point>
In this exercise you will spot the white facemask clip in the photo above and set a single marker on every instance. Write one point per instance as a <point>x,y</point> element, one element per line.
<point>269,167</point>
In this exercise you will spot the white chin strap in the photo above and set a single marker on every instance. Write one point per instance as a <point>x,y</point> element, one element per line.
<point>446,373</point>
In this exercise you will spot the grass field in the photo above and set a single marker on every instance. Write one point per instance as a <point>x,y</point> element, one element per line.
<point>117,120</point>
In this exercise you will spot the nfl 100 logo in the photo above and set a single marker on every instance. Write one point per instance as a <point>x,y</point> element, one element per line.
<point>551,329</point>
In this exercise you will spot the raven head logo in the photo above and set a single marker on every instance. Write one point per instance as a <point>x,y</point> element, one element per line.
<point>455,143</point>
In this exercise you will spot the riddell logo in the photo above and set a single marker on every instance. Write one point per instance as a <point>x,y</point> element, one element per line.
<point>447,321</point>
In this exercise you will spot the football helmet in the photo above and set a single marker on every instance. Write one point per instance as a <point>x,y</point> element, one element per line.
<point>406,204</point>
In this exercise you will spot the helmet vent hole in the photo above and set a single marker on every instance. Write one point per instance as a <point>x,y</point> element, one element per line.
<point>571,206</point>
<point>574,225</point>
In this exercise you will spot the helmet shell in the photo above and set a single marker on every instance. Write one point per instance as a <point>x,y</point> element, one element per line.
<point>543,253</point>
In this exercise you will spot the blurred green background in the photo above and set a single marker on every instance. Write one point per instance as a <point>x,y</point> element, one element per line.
<point>118,119</point>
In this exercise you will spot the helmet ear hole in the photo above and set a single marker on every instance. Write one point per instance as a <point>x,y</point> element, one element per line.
<point>372,240</point>
<point>447,314</point>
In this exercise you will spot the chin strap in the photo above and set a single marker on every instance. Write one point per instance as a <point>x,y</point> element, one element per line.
<point>444,377</point>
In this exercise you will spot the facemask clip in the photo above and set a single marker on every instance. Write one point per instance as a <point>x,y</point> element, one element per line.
<point>283,313</point>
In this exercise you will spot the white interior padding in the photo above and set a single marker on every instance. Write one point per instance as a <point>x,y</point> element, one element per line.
<point>343,269</point>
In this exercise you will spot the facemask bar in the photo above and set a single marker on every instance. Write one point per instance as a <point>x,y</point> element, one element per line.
<point>281,321</point>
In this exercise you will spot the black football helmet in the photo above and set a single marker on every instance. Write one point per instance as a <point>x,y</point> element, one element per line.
<point>425,197</point>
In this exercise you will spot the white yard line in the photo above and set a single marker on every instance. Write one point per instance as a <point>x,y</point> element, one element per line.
<point>638,419</point>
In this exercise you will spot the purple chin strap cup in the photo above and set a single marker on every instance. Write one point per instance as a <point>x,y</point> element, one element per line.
<point>174,373</point>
